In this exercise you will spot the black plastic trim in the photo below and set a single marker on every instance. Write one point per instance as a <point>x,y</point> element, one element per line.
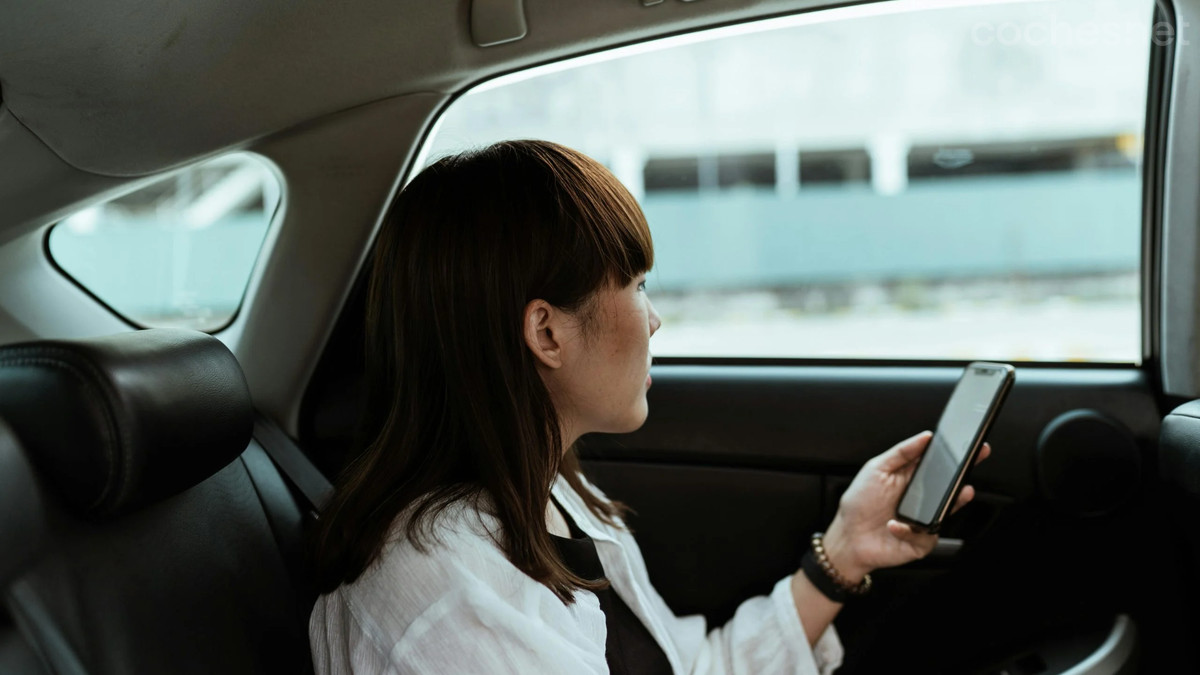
<point>87,291</point>
<point>1162,60</point>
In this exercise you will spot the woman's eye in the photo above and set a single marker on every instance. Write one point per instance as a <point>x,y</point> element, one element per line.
<point>641,285</point>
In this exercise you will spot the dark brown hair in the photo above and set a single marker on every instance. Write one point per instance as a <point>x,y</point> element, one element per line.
<point>455,406</point>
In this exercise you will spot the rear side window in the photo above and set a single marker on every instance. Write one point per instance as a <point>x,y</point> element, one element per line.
<point>892,180</point>
<point>178,252</point>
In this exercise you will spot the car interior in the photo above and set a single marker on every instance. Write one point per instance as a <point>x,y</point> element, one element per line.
<point>189,193</point>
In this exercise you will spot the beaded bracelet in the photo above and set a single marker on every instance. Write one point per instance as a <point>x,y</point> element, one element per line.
<point>826,578</point>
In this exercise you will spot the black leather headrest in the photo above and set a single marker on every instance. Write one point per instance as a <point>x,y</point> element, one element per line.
<point>1179,448</point>
<point>118,422</point>
<point>22,520</point>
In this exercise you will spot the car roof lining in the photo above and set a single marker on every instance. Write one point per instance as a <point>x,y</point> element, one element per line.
<point>132,87</point>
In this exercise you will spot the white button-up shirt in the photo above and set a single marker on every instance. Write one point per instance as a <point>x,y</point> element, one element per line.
<point>462,607</point>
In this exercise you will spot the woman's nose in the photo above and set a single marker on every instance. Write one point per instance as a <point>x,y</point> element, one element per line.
<point>655,319</point>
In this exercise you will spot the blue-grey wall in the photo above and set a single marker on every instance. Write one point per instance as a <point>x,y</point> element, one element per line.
<point>965,227</point>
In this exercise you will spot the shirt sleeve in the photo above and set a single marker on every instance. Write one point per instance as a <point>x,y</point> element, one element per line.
<point>463,632</point>
<point>764,636</point>
<point>340,644</point>
<point>478,633</point>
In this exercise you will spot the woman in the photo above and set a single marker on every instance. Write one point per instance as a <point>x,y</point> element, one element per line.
<point>507,317</point>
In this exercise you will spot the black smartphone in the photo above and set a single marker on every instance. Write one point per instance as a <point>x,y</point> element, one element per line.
<point>956,443</point>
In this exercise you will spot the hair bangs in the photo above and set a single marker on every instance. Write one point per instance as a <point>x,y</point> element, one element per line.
<point>609,216</point>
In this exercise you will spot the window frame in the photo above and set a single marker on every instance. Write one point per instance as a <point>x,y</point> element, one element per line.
<point>1154,171</point>
<point>272,222</point>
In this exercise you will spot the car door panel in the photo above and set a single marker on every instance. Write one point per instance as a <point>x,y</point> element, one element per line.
<point>830,417</point>
<point>737,465</point>
<point>721,545</point>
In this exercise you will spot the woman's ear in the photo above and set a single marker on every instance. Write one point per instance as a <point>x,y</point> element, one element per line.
<point>543,332</point>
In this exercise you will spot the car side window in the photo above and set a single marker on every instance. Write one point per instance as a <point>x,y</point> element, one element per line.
<point>894,180</point>
<point>178,252</point>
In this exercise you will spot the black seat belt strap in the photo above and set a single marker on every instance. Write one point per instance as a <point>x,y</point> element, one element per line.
<point>303,475</point>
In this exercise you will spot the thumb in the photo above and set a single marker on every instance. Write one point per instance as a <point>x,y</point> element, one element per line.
<point>904,453</point>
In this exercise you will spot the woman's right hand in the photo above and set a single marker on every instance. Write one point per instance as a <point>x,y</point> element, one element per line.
<point>864,534</point>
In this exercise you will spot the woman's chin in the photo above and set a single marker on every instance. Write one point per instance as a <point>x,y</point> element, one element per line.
<point>629,421</point>
<point>639,416</point>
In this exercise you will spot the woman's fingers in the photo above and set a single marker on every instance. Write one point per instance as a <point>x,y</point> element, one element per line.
<point>898,529</point>
<point>904,453</point>
<point>965,495</point>
<point>968,492</point>
<point>921,542</point>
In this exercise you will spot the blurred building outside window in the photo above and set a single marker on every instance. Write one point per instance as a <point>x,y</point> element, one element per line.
<point>912,180</point>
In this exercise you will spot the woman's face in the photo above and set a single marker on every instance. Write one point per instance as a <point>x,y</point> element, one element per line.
<point>604,375</point>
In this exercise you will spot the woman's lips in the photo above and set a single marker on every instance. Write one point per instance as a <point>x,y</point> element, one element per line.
<point>648,379</point>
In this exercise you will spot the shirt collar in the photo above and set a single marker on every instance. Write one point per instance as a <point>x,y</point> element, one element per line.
<point>578,510</point>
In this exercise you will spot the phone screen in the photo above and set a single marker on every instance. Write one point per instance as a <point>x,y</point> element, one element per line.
<point>956,434</point>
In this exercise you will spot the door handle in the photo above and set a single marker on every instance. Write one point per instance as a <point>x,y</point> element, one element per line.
<point>946,548</point>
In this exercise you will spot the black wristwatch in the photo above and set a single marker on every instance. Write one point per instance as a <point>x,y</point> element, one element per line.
<point>821,573</point>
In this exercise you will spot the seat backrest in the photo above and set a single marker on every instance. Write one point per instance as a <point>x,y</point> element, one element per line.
<point>22,530</point>
<point>1178,504</point>
<point>1179,449</point>
<point>165,525</point>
